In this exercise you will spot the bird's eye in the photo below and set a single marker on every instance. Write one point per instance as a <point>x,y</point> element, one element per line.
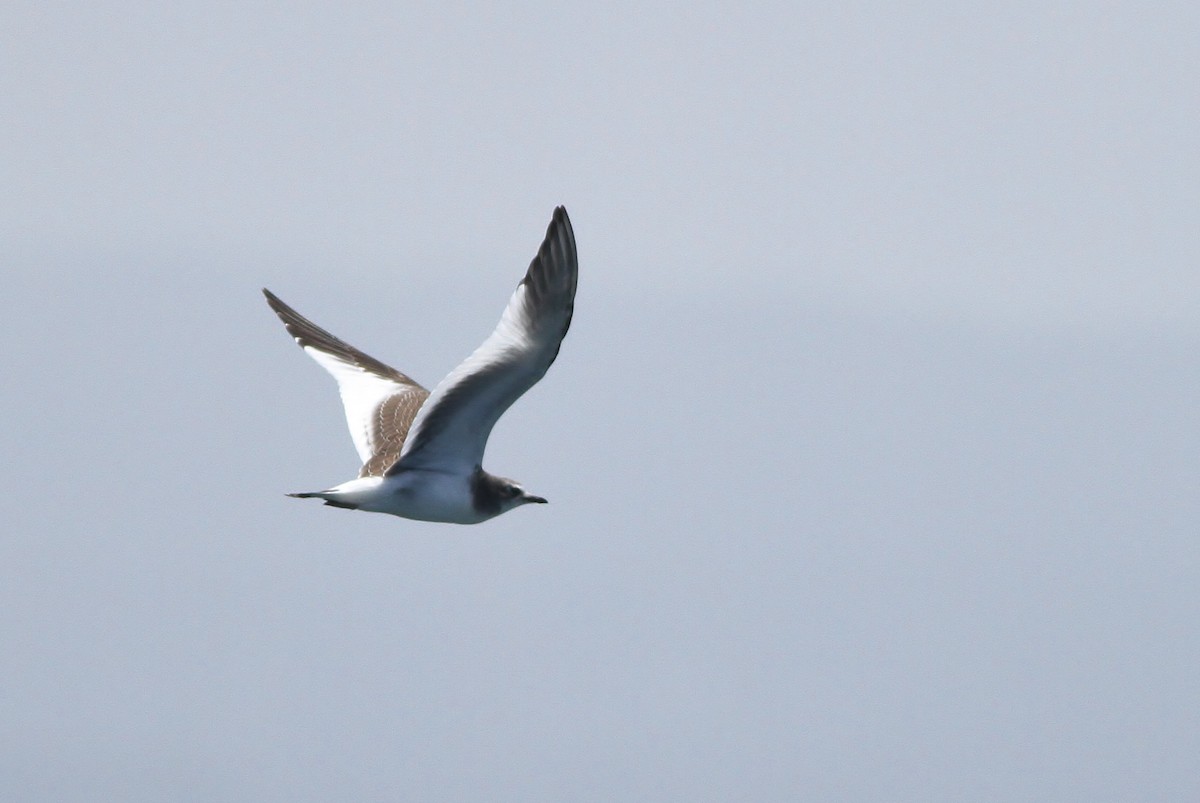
<point>514,490</point>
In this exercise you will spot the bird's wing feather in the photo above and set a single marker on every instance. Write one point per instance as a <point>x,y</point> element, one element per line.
<point>452,427</point>
<point>380,401</point>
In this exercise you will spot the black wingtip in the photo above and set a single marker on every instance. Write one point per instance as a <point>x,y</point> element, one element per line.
<point>276,304</point>
<point>559,242</point>
<point>274,301</point>
<point>560,217</point>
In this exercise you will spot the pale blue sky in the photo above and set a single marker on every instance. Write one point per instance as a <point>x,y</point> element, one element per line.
<point>872,451</point>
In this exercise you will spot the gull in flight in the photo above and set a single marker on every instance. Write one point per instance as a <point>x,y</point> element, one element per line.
<point>422,452</point>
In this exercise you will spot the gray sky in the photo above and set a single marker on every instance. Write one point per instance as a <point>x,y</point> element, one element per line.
<point>872,452</point>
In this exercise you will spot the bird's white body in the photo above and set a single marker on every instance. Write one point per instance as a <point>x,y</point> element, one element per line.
<point>417,494</point>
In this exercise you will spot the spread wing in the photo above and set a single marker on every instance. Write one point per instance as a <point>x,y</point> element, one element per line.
<point>452,427</point>
<point>380,401</point>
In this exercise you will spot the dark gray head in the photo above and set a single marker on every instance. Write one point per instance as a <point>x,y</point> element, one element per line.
<point>492,495</point>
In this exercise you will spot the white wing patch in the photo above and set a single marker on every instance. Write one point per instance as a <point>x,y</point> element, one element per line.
<point>362,393</point>
<point>451,429</point>
<point>504,350</point>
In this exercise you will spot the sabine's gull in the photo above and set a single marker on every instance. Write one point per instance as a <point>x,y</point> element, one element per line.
<point>422,451</point>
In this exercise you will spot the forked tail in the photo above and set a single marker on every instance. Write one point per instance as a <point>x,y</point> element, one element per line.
<point>325,495</point>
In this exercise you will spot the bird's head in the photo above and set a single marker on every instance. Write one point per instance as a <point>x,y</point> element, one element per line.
<point>513,495</point>
<point>495,495</point>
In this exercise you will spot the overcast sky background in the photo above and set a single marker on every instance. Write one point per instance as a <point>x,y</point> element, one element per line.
<point>872,452</point>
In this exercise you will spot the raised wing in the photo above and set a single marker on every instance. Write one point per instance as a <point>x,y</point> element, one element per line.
<point>452,428</point>
<point>380,401</point>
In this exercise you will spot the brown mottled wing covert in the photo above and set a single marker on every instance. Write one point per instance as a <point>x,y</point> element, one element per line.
<point>391,424</point>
